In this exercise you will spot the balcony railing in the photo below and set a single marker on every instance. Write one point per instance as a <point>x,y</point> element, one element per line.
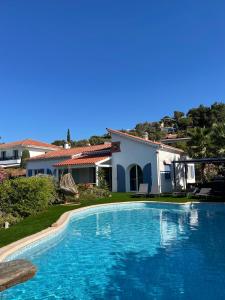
<point>9,158</point>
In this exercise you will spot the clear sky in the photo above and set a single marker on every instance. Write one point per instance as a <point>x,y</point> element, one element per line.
<point>91,64</point>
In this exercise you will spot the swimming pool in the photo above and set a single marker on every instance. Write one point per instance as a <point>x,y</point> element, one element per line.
<point>131,251</point>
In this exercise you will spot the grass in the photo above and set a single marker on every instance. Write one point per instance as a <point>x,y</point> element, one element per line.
<point>43,220</point>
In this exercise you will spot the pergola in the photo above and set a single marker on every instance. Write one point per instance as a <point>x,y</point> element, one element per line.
<point>185,162</point>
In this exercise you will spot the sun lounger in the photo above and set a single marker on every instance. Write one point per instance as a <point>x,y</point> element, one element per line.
<point>193,192</point>
<point>204,192</point>
<point>143,190</point>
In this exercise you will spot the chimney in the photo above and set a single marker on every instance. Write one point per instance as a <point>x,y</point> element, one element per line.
<point>67,146</point>
<point>145,136</point>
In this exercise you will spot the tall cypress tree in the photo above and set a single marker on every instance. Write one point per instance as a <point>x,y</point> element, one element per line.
<point>68,136</point>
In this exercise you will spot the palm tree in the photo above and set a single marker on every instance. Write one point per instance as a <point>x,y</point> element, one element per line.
<point>218,139</point>
<point>200,144</point>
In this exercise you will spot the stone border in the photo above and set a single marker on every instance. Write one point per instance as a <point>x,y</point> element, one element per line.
<point>62,222</point>
<point>15,272</point>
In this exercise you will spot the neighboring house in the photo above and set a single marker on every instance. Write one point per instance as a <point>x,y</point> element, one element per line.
<point>127,161</point>
<point>172,138</point>
<point>10,153</point>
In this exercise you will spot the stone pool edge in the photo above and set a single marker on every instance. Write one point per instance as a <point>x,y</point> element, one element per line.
<point>60,224</point>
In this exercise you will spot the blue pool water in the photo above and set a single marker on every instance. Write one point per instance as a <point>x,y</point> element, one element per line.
<point>135,251</point>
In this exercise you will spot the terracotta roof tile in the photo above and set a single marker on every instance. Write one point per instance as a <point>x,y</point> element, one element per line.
<point>29,143</point>
<point>82,161</point>
<point>142,139</point>
<point>73,151</point>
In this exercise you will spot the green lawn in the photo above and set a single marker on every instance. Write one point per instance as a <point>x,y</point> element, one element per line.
<point>43,220</point>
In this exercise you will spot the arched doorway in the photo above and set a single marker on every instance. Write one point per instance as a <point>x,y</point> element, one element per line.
<point>136,177</point>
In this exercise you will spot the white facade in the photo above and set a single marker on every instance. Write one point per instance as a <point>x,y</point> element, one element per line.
<point>158,157</point>
<point>45,166</point>
<point>11,156</point>
<point>133,161</point>
<point>133,153</point>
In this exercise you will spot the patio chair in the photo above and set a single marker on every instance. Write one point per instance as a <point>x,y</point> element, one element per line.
<point>143,190</point>
<point>204,192</point>
<point>193,192</point>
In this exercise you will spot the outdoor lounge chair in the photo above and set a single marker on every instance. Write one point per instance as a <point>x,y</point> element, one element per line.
<point>193,192</point>
<point>204,192</point>
<point>143,190</point>
<point>68,187</point>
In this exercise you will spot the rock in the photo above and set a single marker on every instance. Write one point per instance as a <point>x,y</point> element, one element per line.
<point>15,272</point>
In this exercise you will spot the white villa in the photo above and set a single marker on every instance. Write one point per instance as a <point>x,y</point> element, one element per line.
<point>128,161</point>
<point>10,153</point>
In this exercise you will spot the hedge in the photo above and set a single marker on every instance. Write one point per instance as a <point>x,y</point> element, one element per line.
<point>26,196</point>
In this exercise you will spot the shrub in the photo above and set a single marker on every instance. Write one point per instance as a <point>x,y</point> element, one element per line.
<point>12,219</point>
<point>89,192</point>
<point>26,196</point>
<point>3,175</point>
<point>5,200</point>
<point>102,179</point>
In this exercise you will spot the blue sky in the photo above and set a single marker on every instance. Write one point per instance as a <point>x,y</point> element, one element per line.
<point>91,64</point>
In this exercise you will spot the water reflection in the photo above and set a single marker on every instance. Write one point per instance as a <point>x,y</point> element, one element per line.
<point>169,252</point>
<point>103,229</point>
<point>193,219</point>
<point>176,226</point>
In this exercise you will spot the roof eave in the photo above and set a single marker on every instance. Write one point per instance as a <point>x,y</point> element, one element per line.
<point>147,142</point>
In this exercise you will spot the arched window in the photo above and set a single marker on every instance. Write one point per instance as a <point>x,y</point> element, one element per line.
<point>136,177</point>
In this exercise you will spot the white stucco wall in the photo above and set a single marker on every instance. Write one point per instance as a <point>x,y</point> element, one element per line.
<point>35,152</point>
<point>133,152</point>
<point>191,173</point>
<point>168,156</point>
<point>43,164</point>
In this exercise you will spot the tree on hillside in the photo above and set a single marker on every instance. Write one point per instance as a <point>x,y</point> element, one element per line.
<point>68,138</point>
<point>59,142</point>
<point>200,116</point>
<point>168,121</point>
<point>80,143</point>
<point>177,115</point>
<point>24,157</point>
<point>152,128</point>
<point>184,123</point>
<point>96,139</point>
<point>217,113</point>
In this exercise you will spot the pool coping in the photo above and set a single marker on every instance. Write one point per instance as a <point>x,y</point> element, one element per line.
<point>62,221</point>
